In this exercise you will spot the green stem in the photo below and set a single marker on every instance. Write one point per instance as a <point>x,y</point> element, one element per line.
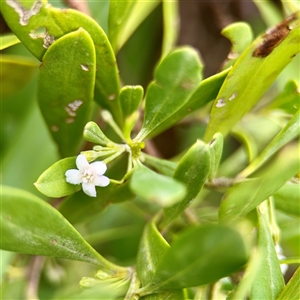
<point>107,117</point>
<point>134,286</point>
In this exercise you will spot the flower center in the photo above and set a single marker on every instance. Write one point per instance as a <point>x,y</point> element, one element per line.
<point>87,176</point>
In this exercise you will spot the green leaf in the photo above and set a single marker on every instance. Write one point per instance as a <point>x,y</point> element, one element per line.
<point>92,133</point>
<point>130,98</point>
<point>48,24</point>
<point>175,79</point>
<point>245,196</point>
<point>289,99</point>
<point>80,208</point>
<point>66,88</point>
<point>13,70</point>
<point>192,170</point>
<point>240,35</point>
<point>291,291</point>
<point>52,182</point>
<point>119,13</point>
<point>287,199</point>
<point>171,25</point>
<point>8,40</point>
<point>269,281</point>
<point>263,61</point>
<point>215,148</point>
<point>200,255</point>
<point>163,166</point>
<point>151,248</point>
<point>32,226</point>
<point>206,91</point>
<point>156,187</point>
<point>167,295</point>
<point>289,132</point>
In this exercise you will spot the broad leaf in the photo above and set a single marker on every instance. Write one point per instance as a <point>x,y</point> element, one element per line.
<point>200,255</point>
<point>175,80</point>
<point>156,187</point>
<point>291,291</point>
<point>163,166</point>
<point>269,281</point>
<point>13,70</point>
<point>167,295</point>
<point>52,182</point>
<point>245,196</point>
<point>80,208</point>
<point>192,170</point>
<point>263,61</point>
<point>66,88</point>
<point>130,99</point>
<point>31,226</point>
<point>8,40</point>
<point>240,36</point>
<point>152,247</point>
<point>47,24</point>
<point>288,133</point>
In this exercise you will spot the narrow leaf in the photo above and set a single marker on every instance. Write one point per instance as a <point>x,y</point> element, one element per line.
<point>130,99</point>
<point>66,88</point>
<point>156,187</point>
<point>268,282</point>
<point>245,196</point>
<point>176,78</point>
<point>286,134</point>
<point>192,170</point>
<point>8,40</point>
<point>215,148</point>
<point>263,61</point>
<point>152,247</point>
<point>32,226</point>
<point>200,255</point>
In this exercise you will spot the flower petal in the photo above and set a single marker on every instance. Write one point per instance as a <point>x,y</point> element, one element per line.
<point>81,162</point>
<point>99,167</point>
<point>73,176</point>
<point>89,189</point>
<point>101,181</point>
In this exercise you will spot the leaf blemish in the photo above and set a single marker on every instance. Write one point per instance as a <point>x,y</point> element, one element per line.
<point>24,14</point>
<point>220,103</point>
<point>41,32</point>
<point>233,96</point>
<point>72,107</point>
<point>54,128</point>
<point>273,37</point>
<point>85,68</point>
<point>112,97</point>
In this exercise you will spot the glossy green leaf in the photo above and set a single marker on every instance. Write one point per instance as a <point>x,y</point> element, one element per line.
<point>119,13</point>
<point>206,91</point>
<point>151,248</point>
<point>66,88</point>
<point>171,25</point>
<point>167,295</point>
<point>47,24</point>
<point>245,196</point>
<point>215,148</point>
<point>8,40</point>
<point>52,182</point>
<point>192,170</point>
<point>200,255</point>
<point>288,99</point>
<point>80,208</point>
<point>13,70</point>
<point>175,80</point>
<point>291,291</point>
<point>263,61</point>
<point>156,187</point>
<point>31,226</point>
<point>163,166</point>
<point>240,35</point>
<point>287,199</point>
<point>269,281</point>
<point>289,132</point>
<point>130,99</point>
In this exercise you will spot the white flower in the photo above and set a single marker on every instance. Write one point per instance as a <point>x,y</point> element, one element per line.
<point>90,175</point>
